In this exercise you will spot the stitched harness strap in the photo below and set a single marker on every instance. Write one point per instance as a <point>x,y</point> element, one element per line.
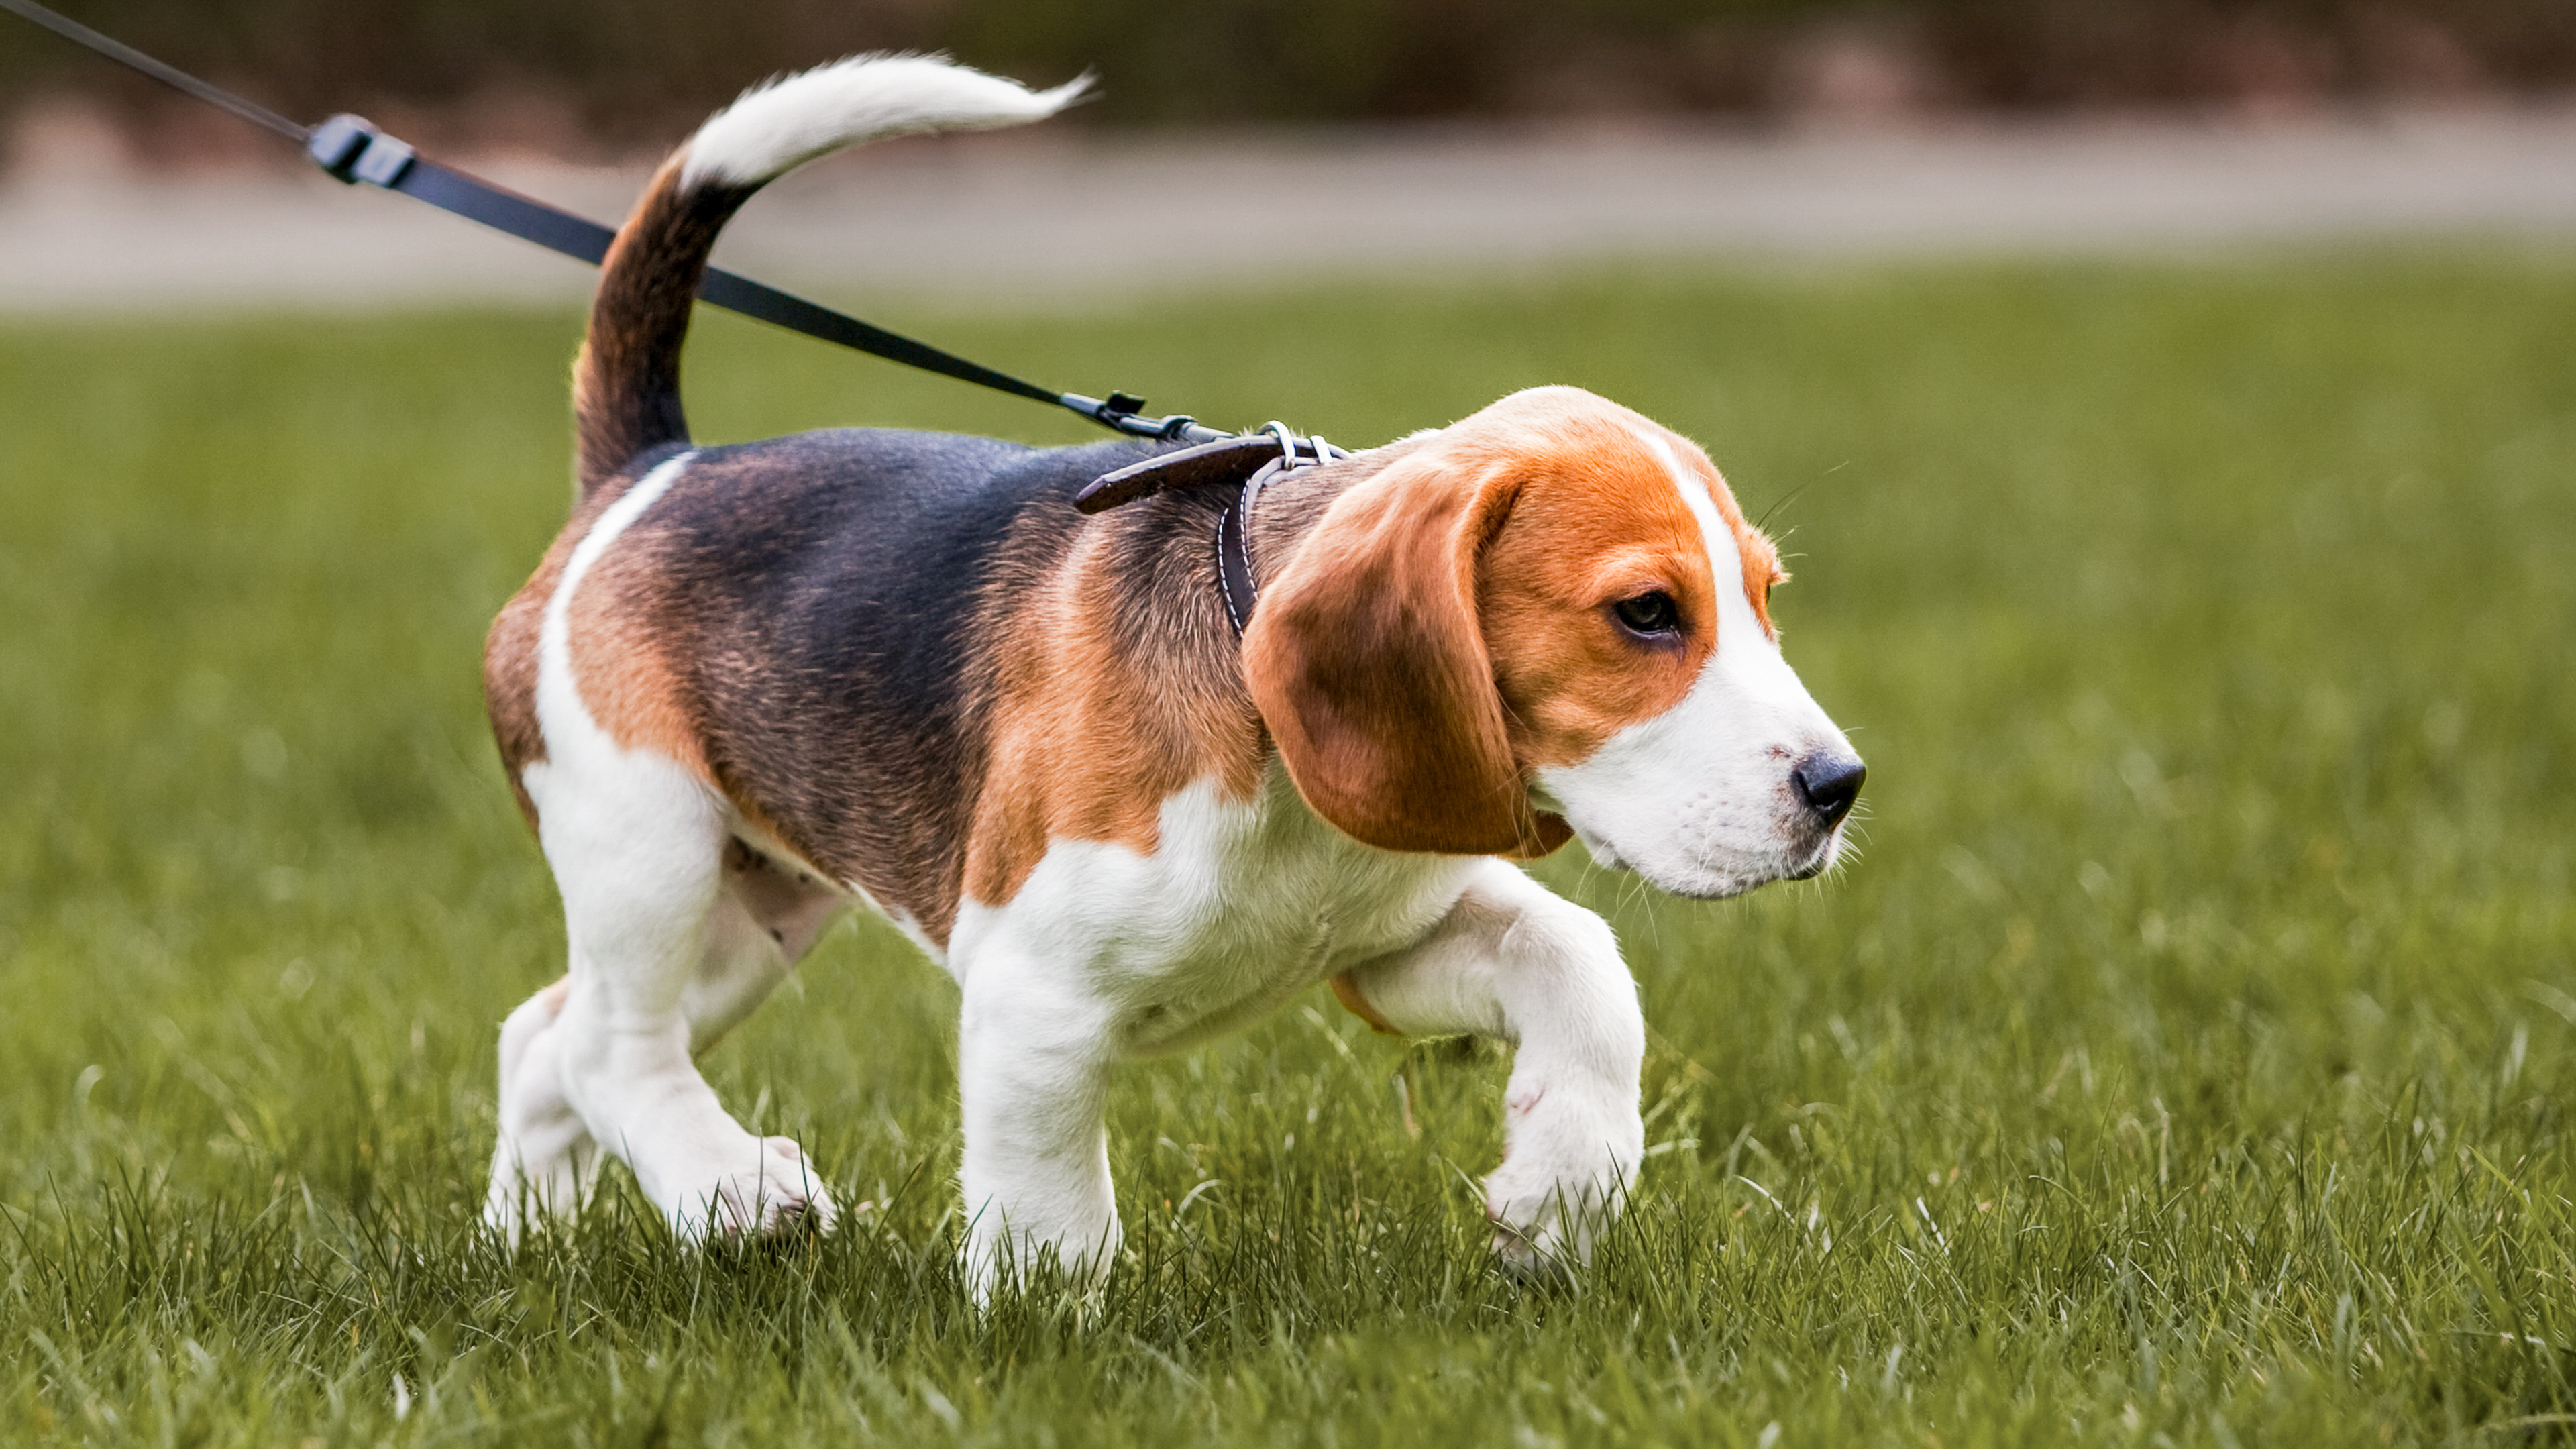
<point>1235,581</point>
<point>1238,580</point>
<point>1255,458</point>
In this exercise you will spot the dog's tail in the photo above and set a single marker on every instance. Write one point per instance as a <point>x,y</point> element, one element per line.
<point>626,387</point>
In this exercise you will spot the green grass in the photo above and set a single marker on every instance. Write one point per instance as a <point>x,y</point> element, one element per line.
<point>2186,1058</point>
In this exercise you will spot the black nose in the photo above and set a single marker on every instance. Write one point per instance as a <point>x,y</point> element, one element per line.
<point>1827,783</point>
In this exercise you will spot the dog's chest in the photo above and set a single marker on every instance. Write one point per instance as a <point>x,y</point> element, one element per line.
<point>1241,905</point>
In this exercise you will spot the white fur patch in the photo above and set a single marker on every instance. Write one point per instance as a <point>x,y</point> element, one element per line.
<point>559,703</point>
<point>1515,963</point>
<point>1106,952</point>
<point>775,128</point>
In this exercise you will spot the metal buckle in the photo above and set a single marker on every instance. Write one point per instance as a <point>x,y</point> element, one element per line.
<point>1318,451</point>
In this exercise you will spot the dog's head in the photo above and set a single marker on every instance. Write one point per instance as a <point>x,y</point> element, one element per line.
<point>1550,619</point>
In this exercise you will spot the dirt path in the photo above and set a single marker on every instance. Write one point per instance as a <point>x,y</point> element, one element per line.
<point>1017,219</point>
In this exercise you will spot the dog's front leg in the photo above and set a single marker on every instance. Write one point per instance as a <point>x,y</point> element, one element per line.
<point>1033,1074</point>
<point>1517,963</point>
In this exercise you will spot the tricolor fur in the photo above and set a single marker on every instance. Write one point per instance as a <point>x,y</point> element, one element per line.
<point>752,685</point>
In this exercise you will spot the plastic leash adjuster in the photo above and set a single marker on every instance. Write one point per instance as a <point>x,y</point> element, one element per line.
<point>351,150</point>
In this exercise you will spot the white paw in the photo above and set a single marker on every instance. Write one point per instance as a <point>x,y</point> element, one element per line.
<point>778,1194</point>
<point>1548,1226</point>
<point>520,1200</point>
<point>1566,1173</point>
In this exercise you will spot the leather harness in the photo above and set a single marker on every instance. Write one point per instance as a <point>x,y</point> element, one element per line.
<point>1252,460</point>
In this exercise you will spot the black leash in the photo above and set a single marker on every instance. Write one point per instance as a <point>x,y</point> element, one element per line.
<point>352,151</point>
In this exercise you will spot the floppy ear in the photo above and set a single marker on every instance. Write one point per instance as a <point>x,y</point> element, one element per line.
<point>1367,662</point>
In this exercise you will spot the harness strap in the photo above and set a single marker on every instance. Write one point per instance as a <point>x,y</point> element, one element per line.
<point>1256,458</point>
<point>1235,580</point>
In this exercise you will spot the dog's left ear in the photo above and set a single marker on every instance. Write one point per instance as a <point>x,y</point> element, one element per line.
<point>1368,663</point>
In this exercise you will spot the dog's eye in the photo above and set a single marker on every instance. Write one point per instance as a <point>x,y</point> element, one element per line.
<point>1651,614</point>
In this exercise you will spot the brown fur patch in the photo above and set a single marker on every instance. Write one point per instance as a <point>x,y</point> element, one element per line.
<point>1368,662</point>
<point>510,690</point>
<point>1599,522</point>
<point>626,383</point>
<point>1111,688</point>
<point>1599,519</point>
<point>628,644</point>
<point>627,678</point>
<point>510,660</point>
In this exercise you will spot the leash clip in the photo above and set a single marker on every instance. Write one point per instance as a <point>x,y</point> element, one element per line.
<point>350,149</point>
<point>1125,412</point>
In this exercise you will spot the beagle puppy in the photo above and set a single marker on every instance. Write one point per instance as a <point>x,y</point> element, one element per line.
<point>751,686</point>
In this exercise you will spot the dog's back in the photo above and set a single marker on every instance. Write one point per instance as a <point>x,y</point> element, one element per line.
<point>788,609</point>
<point>809,620</point>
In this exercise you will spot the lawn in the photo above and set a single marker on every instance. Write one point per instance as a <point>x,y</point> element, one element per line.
<point>2186,1057</point>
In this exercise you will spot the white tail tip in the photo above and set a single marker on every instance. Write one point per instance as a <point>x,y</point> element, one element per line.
<point>777,127</point>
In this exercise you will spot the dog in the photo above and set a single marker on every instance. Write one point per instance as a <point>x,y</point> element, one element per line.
<point>752,686</point>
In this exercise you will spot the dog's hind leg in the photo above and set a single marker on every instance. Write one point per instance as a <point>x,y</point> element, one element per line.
<point>677,932</point>
<point>638,836</point>
<point>641,863</point>
<point>1517,963</point>
<point>764,920</point>
<point>546,1160</point>
<point>766,917</point>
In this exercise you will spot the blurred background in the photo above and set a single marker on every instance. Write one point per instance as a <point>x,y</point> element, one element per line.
<point>1435,135</point>
<point>614,73</point>
<point>2168,410</point>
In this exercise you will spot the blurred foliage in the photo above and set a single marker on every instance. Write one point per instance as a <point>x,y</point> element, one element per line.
<point>620,71</point>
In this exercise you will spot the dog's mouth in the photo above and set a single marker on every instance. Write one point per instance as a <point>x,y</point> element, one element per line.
<point>1708,882</point>
<point>1820,857</point>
